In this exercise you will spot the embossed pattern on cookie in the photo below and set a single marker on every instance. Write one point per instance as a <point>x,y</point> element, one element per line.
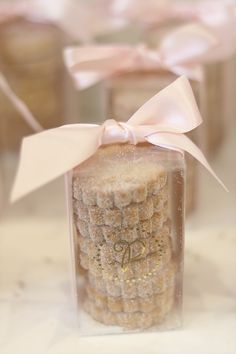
<point>132,320</point>
<point>120,304</point>
<point>110,234</point>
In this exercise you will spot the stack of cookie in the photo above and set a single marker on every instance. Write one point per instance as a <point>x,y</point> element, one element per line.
<point>31,60</point>
<point>123,231</point>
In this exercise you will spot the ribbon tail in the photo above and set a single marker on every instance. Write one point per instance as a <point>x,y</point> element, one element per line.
<point>19,105</point>
<point>183,143</point>
<point>49,154</point>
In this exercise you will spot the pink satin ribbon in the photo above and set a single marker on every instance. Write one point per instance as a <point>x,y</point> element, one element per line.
<point>161,121</point>
<point>179,52</point>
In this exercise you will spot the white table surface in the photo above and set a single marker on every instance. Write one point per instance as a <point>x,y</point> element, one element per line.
<point>36,313</point>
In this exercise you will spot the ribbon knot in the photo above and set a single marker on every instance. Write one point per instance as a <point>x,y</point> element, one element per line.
<point>117,131</point>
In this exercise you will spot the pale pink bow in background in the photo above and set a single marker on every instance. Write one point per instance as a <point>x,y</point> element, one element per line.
<point>179,52</point>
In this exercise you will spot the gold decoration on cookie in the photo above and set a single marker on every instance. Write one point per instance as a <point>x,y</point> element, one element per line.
<point>129,255</point>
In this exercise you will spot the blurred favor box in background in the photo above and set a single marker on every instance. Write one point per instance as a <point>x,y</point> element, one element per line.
<point>31,60</point>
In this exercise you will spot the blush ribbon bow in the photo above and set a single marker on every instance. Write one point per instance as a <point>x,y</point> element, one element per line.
<point>161,121</point>
<point>179,52</point>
